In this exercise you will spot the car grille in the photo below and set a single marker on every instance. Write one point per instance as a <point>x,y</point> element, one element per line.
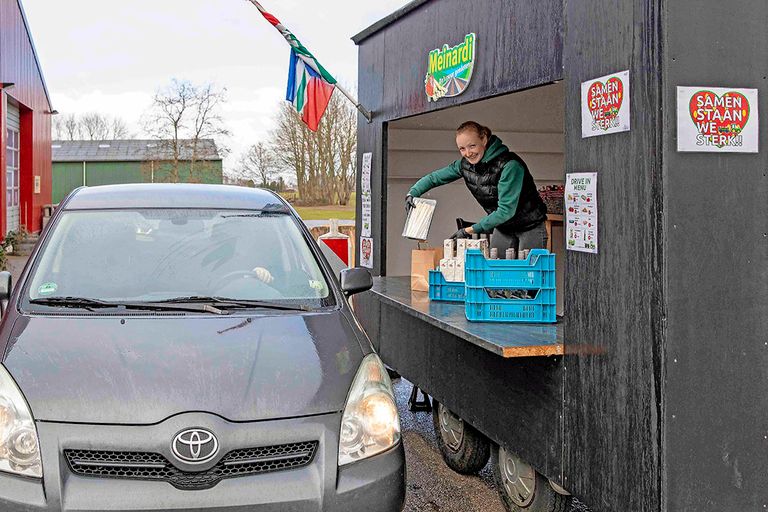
<point>153,466</point>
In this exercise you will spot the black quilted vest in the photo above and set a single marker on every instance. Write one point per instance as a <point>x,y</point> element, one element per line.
<point>482,181</point>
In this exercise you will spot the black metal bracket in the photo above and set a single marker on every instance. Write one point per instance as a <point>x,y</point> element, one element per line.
<point>414,405</point>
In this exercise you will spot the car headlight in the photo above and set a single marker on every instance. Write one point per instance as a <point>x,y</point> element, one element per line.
<point>19,446</point>
<point>370,423</point>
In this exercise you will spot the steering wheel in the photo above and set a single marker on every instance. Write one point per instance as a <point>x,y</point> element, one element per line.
<point>235,275</point>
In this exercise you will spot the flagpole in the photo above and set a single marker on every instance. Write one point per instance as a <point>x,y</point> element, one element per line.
<point>357,104</point>
<point>294,42</point>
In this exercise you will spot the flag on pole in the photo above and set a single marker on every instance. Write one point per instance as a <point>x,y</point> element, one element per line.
<point>310,86</point>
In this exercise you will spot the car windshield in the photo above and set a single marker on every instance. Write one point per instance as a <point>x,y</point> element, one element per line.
<point>150,255</point>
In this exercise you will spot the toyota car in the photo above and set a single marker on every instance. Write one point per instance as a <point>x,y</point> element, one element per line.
<point>177,347</point>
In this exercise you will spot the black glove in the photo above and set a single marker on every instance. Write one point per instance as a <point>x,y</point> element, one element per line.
<point>409,203</point>
<point>462,233</point>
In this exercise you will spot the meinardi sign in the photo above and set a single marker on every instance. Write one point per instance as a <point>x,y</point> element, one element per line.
<point>450,69</point>
<point>717,120</point>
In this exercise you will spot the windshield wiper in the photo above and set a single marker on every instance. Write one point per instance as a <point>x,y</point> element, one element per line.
<point>226,302</point>
<point>72,302</point>
<point>90,304</point>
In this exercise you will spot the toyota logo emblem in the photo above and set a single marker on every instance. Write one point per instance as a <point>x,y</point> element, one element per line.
<point>195,446</point>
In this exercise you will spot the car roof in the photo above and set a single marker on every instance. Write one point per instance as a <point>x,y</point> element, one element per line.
<point>174,195</point>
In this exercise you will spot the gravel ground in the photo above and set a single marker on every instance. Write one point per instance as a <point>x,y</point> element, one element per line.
<point>432,486</point>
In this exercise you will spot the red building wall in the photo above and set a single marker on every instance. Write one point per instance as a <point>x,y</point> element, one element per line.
<point>19,65</point>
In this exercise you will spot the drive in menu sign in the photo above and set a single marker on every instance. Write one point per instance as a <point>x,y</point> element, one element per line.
<point>581,211</point>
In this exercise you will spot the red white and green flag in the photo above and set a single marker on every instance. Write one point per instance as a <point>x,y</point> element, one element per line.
<point>310,86</point>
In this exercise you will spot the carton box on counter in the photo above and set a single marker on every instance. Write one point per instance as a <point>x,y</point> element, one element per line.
<point>459,273</point>
<point>461,247</point>
<point>444,269</point>
<point>448,248</point>
<point>451,264</point>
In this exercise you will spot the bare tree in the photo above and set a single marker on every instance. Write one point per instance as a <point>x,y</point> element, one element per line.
<point>119,129</point>
<point>182,114</point>
<point>322,161</point>
<point>258,164</point>
<point>66,127</point>
<point>91,126</point>
<point>94,126</point>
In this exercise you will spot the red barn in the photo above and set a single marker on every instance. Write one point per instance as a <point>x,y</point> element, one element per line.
<point>25,125</point>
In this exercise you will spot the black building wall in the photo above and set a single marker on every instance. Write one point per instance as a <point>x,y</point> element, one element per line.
<point>716,222</point>
<point>519,45</point>
<point>614,299</point>
<point>668,410</point>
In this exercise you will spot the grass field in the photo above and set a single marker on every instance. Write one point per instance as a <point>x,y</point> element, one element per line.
<point>327,212</point>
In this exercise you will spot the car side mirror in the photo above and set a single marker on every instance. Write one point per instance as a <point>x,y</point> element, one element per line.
<point>6,281</point>
<point>5,285</point>
<point>355,280</point>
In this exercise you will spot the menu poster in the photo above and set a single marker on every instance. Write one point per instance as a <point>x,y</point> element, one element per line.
<point>717,120</point>
<point>365,176</point>
<point>366,252</point>
<point>581,211</point>
<point>605,105</point>
<point>366,214</point>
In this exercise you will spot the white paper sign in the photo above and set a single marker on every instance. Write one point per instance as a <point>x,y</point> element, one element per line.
<point>365,222</point>
<point>581,211</point>
<point>366,252</point>
<point>365,176</point>
<point>717,120</point>
<point>605,105</point>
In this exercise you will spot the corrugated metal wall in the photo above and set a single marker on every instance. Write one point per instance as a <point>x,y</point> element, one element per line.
<point>19,66</point>
<point>67,176</point>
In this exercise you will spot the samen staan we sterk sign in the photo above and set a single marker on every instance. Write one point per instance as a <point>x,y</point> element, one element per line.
<point>717,120</point>
<point>605,105</point>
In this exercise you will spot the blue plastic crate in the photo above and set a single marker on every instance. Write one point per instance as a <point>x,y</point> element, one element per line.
<point>537,273</point>
<point>442,290</point>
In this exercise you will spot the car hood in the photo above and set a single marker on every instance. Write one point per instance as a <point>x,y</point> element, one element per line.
<point>141,370</point>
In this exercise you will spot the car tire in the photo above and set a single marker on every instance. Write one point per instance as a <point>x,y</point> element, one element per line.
<point>464,449</point>
<point>523,489</point>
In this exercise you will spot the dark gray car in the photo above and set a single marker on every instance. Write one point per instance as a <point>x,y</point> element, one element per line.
<point>179,347</point>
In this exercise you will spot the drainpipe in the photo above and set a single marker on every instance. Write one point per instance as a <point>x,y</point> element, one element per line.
<point>83,173</point>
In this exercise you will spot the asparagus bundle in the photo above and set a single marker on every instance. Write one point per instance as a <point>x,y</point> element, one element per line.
<point>419,219</point>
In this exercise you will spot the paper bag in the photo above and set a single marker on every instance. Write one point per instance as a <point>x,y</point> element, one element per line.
<point>422,261</point>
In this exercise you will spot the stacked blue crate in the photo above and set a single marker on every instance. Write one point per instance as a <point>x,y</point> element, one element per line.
<point>535,275</point>
<point>442,290</point>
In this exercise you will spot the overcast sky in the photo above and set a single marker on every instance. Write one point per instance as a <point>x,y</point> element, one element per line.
<point>110,56</point>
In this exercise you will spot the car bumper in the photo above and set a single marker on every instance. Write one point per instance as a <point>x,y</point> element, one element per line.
<point>374,485</point>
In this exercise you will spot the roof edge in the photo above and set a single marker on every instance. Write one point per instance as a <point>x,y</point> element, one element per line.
<point>388,20</point>
<point>34,52</point>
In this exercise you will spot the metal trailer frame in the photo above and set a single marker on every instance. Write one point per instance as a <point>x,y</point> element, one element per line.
<point>668,412</point>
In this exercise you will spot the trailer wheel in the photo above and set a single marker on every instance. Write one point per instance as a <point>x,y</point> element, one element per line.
<point>464,449</point>
<point>521,488</point>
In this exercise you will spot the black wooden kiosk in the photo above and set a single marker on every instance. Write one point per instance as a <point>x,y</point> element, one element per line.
<point>650,393</point>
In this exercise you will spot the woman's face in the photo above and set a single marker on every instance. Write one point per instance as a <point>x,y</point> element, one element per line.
<point>471,145</point>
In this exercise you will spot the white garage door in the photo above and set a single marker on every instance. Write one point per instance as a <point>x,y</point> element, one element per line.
<point>12,169</point>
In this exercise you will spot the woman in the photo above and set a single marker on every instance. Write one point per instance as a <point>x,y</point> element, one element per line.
<point>500,181</point>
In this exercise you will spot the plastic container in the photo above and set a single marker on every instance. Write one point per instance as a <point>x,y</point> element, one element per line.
<point>419,219</point>
<point>536,273</point>
<point>442,290</point>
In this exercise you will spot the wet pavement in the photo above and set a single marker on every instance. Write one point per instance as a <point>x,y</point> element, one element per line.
<point>432,486</point>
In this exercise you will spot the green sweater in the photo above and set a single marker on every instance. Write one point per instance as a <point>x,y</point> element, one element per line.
<point>510,185</point>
